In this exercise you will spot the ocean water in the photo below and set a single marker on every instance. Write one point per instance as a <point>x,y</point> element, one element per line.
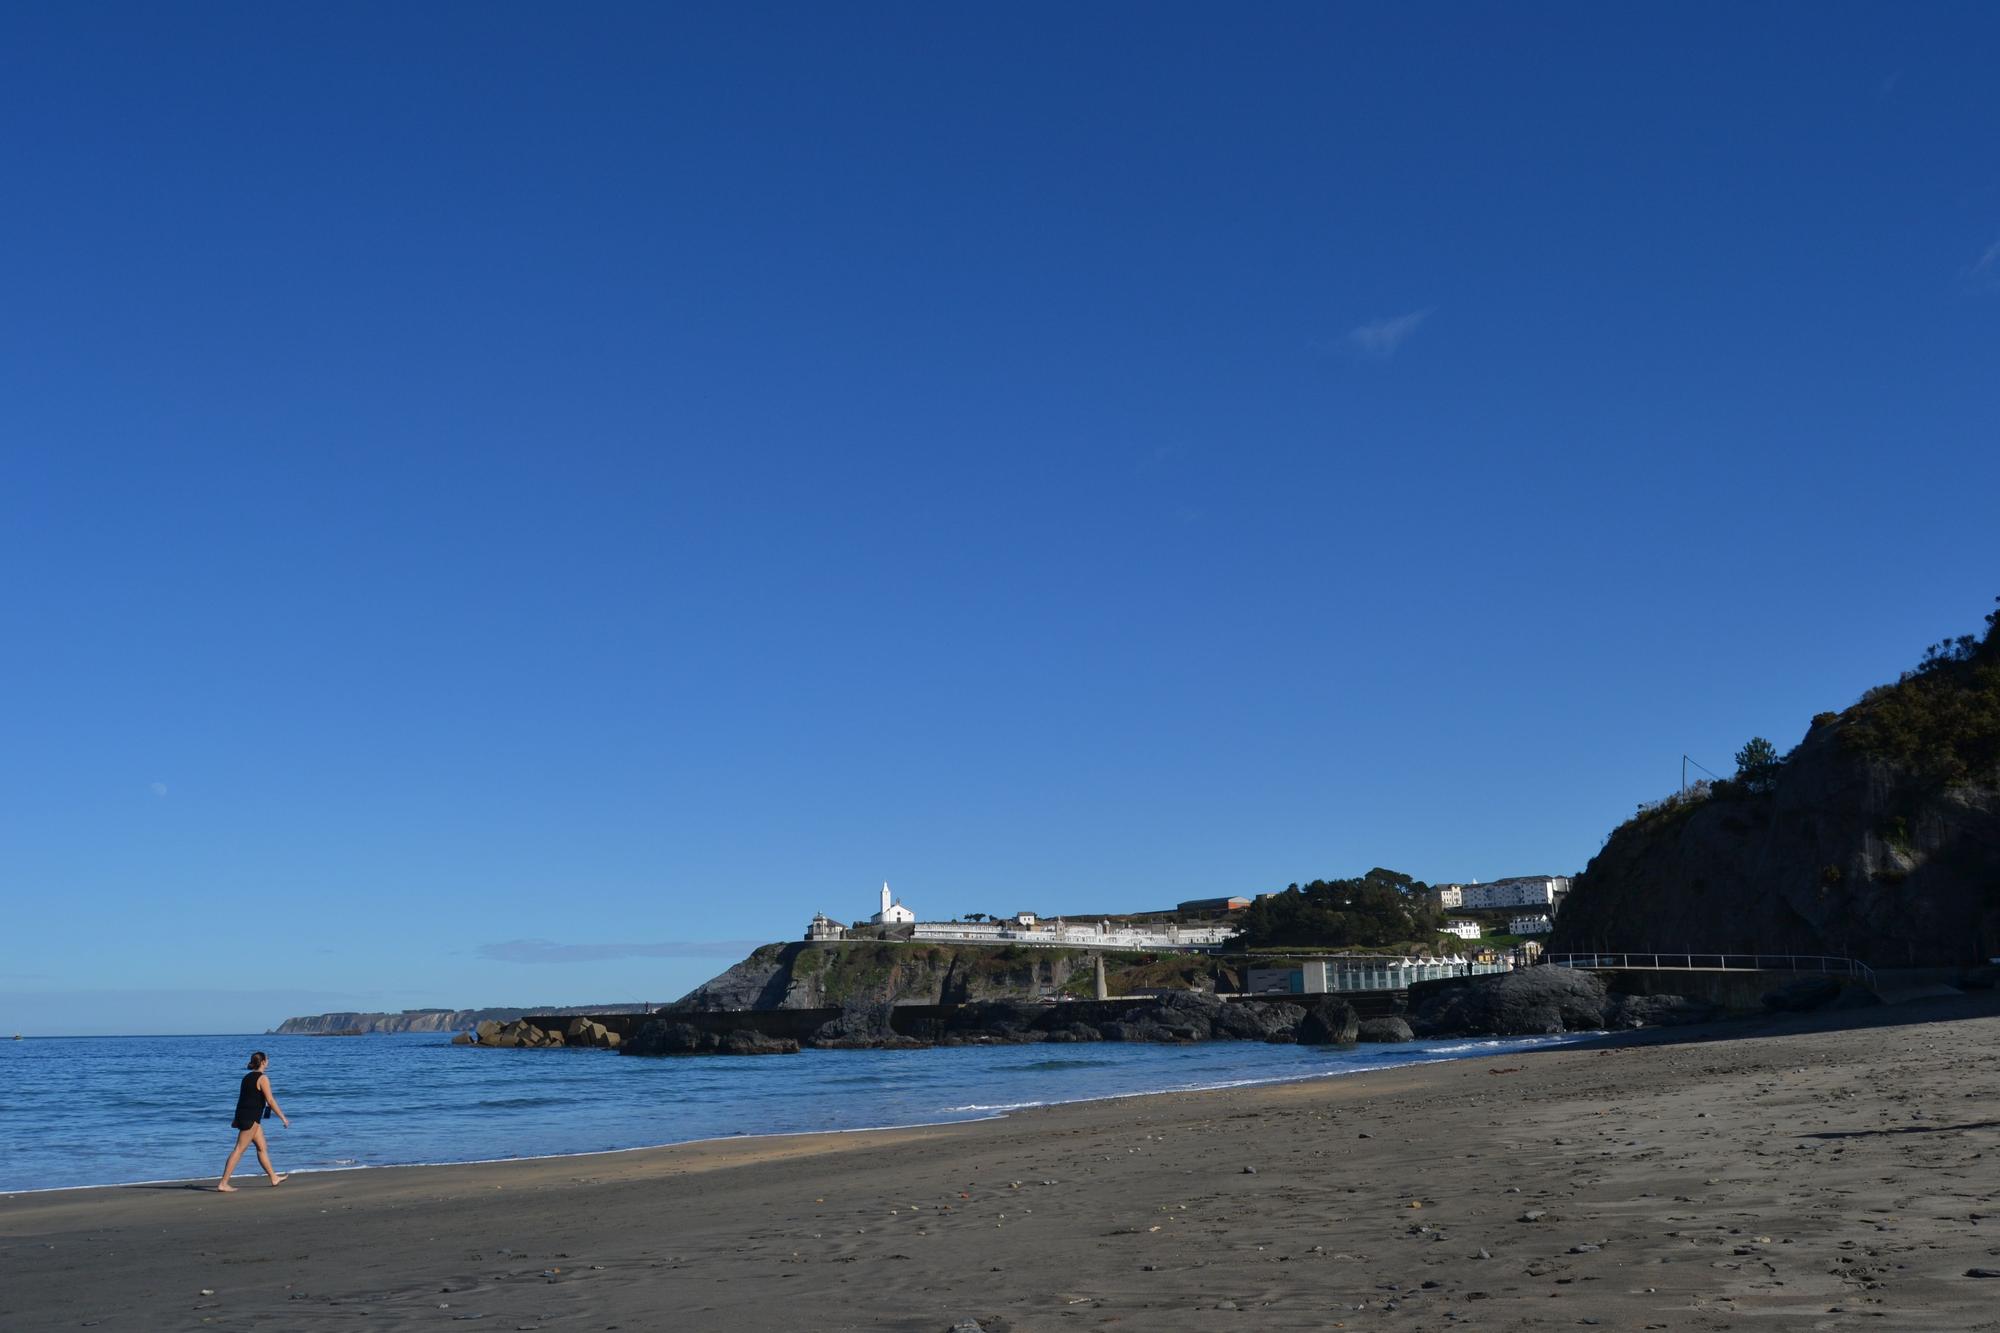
<point>114,1110</point>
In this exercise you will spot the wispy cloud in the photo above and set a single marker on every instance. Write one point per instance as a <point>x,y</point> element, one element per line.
<point>1380,338</point>
<point>548,951</point>
<point>1985,271</point>
<point>158,788</point>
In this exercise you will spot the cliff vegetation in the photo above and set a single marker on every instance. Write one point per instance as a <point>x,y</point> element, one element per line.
<point>1877,837</point>
<point>1379,909</point>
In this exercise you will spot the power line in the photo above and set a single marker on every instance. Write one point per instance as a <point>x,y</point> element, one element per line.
<point>1685,761</point>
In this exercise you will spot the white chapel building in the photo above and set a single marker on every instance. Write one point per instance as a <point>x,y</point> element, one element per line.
<point>893,913</point>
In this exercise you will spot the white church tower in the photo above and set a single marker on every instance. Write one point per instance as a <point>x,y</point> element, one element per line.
<point>893,913</point>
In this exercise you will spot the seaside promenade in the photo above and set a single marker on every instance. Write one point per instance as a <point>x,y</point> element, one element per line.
<point>1796,1172</point>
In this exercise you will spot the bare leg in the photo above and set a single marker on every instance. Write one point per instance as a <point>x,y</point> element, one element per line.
<point>235,1156</point>
<point>264,1155</point>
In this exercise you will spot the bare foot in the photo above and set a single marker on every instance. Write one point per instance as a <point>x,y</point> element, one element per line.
<point>279,1180</point>
<point>225,1188</point>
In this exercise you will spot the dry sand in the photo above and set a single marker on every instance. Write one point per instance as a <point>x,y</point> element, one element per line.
<point>1785,1175</point>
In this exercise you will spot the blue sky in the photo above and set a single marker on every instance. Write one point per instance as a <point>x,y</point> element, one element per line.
<point>504,505</point>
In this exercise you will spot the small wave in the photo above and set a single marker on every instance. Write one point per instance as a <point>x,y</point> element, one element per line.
<point>1510,1043</point>
<point>1040,1066</point>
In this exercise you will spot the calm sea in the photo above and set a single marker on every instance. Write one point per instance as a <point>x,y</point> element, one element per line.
<point>113,1110</point>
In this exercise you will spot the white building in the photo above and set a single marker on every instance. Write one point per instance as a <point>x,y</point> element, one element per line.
<point>1532,924</point>
<point>1080,935</point>
<point>824,927</point>
<point>1521,891</point>
<point>1364,973</point>
<point>893,912</point>
<point>1465,930</point>
<point>1451,897</point>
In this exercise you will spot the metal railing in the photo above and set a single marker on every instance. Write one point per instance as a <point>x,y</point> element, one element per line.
<point>1718,962</point>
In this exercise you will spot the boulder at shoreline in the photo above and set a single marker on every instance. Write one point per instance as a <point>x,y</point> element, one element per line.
<point>1391,1029</point>
<point>1329,1021</point>
<point>1537,1001</point>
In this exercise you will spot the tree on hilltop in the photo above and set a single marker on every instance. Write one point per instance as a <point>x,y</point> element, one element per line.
<point>1757,764</point>
<point>1382,907</point>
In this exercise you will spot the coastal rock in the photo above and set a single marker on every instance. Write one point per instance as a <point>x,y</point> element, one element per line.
<point>1255,1020</point>
<point>861,1027</point>
<point>1120,1030</point>
<point>998,1018</point>
<point>462,1039</point>
<point>1803,995</point>
<point>1329,1021</point>
<point>1384,1030</point>
<point>761,981</point>
<point>664,1036</point>
<point>1642,1011</point>
<point>1075,1032</point>
<point>487,1031</point>
<point>756,1043</point>
<point>1188,1016</point>
<point>1531,1002</point>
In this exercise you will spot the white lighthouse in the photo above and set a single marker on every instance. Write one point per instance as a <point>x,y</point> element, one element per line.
<point>893,913</point>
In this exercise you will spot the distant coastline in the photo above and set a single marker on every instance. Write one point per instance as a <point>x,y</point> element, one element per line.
<point>432,1020</point>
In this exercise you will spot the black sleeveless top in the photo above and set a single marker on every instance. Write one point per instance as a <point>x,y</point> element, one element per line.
<point>250,1107</point>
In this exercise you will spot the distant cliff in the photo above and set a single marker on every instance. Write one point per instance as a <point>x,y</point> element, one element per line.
<point>1878,838</point>
<point>431,1020</point>
<point>812,976</point>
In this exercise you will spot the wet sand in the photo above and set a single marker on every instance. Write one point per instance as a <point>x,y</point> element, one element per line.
<point>1783,1174</point>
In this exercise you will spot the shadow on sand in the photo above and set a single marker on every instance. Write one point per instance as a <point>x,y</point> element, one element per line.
<point>1750,1026</point>
<point>1901,1129</point>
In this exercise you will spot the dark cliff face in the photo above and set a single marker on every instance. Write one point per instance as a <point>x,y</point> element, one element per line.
<point>812,976</point>
<point>1858,848</point>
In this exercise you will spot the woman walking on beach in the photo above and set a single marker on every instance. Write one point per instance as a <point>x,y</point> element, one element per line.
<point>254,1101</point>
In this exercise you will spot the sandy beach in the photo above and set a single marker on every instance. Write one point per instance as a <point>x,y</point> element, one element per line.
<point>1796,1173</point>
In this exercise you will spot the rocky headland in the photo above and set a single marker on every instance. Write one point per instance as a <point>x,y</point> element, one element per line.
<point>1877,838</point>
<point>822,975</point>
